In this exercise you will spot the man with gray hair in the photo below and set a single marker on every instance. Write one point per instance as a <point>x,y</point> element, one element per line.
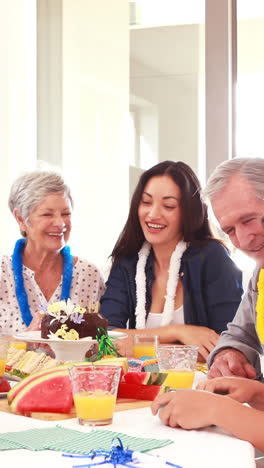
<point>236,192</point>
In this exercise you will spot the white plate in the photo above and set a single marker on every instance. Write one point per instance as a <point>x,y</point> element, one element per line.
<point>35,336</point>
<point>66,350</point>
<point>11,377</point>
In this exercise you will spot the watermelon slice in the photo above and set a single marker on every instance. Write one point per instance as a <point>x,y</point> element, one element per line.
<point>20,385</point>
<point>50,393</point>
<point>145,378</point>
<point>4,385</point>
<point>139,391</point>
<point>42,378</point>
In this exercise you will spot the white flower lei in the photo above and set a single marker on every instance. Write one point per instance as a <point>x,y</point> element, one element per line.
<point>174,268</point>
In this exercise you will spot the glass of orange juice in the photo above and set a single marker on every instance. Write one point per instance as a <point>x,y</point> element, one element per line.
<point>145,345</point>
<point>94,393</point>
<point>179,362</point>
<point>3,355</point>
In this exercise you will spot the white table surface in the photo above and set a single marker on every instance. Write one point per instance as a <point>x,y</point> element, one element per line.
<point>210,448</point>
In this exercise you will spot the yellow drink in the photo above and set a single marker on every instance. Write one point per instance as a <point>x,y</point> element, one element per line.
<point>179,379</point>
<point>19,345</point>
<point>144,350</point>
<point>2,367</point>
<point>94,406</point>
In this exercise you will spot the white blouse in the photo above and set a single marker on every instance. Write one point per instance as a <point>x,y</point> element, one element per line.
<point>154,320</point>
<point>87,285</point>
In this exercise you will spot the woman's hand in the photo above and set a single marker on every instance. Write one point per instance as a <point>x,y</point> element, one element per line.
<point>35,325</point>
<point>35,322</point>
<point>237,388</point>
<point>125,346</point>
<point>203,337</point>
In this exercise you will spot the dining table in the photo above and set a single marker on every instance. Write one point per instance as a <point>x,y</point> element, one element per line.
<point>205,448</point>
<point>122,404</point>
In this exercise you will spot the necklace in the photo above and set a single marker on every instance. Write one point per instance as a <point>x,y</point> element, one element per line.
<point>174,268</point>
<point>260,307</point>
<point>17,264</point>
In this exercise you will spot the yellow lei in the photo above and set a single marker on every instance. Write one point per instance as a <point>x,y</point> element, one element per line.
<point>260,307</point>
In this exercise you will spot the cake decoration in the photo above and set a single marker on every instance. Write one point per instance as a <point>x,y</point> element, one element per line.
<point>62,310</point>
<point>64,334</point>
<point>68,321</point>
<point>106,346</point>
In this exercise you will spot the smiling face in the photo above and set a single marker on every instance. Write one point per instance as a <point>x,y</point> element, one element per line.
<point>49,224</point>
<point>159,211</point>
<point>239,212</point>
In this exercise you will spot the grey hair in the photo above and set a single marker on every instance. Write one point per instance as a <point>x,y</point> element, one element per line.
<point>252,169</point>
<point>31,188</point>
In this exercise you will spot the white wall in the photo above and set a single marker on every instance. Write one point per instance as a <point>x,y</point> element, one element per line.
<point>95,102</point>
<point>17,103</point>
<point>95,112</point>
<point>164,70</point>
<point>250,45</point>
<point>93,108</point>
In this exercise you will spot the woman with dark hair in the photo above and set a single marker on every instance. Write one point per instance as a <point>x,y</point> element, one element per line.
<point>169,275</point>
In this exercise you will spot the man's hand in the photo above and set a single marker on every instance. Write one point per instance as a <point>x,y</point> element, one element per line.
<point>231,362</point>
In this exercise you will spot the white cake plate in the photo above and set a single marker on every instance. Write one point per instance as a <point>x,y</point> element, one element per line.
<point>66,350</point>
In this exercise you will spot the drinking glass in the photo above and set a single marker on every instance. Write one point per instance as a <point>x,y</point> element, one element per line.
<point>179,361</point>
<point>145,345</point>
<point>3,355</point>
<point>94,392</point>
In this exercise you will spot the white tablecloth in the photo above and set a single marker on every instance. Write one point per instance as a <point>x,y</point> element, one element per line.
<point>209,448</point>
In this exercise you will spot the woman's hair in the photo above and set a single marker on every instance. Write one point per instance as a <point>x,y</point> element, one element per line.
<point>31,188</point>
<point>252,169</point>
<point>195,225</point>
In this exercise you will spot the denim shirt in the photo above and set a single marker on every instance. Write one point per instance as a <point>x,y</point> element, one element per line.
<point>212,288</point>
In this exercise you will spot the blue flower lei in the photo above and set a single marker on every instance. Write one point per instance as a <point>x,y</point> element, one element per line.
<point>21,294</point>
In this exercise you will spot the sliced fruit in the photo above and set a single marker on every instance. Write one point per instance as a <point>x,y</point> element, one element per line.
<point>21,388</point>
<point>20,385</point>
<point>50,393</point>
<point>145,378</point>
<point>113,361</point>
<point>139,391</point>
<point>30,380</point>
<point>4,385</point>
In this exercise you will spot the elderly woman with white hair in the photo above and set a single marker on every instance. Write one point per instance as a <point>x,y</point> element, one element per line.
<point>41,269</point>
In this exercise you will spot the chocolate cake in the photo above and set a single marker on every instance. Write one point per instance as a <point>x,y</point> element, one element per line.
<point>70,322</point>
